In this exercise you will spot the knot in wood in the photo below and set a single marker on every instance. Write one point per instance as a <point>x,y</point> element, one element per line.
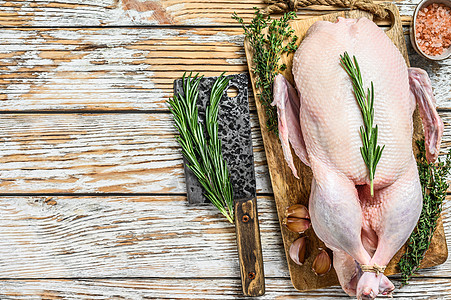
<point>245,218</point>
<point>251,275</point>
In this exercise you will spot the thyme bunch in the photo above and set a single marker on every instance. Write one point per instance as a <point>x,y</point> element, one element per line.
<point>434,187</point>
<point>204,153</point>
<point>371,151</point>
<point>268,48</point>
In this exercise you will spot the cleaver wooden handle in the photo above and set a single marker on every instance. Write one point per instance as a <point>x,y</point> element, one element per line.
<point>249,247</point>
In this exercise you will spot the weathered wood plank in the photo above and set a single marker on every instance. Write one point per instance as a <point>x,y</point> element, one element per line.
<point>105,153</point>
<point>277,288</point>
<point>140,12</point>
<point>108,69</point>
<point>87,153</point>
<point>48,237</point>
<point>155,236</point>
<point>126,68</point>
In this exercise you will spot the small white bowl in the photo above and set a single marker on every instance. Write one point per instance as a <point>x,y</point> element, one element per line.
<point>413,40</point>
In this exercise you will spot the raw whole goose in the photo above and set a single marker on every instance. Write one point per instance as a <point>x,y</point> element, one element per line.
<point>321,120</point>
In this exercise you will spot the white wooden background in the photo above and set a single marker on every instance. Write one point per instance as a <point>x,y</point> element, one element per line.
<point>92,202</point>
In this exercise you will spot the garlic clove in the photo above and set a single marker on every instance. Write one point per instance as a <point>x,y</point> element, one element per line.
<point>322,263</point>
<point>297,250</point>
<point>296,225</point>
<point>297,211</point>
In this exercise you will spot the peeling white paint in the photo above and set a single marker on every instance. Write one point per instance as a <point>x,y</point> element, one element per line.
<point>66,34</point>
<point>212,38</point>
<point>21,88</point>
<point>93,153</point>
<point>236,61</point>
<point>59,244</point>
<point>141,17</point>
<point>63,78</point>
<point>102,236</point>
<point>175,7</point>
<point>199,21</point>
<point>6,36</point>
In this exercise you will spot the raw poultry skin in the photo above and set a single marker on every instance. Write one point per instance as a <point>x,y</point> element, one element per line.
<point>322,120</point>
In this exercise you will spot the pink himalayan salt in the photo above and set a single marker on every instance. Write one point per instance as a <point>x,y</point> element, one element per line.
<point>433,29</point>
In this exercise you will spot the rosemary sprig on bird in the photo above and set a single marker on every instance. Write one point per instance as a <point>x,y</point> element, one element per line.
<point>268,48</point>
<point>371,152</point>
<point>434,187</point>
<point>204,153</point>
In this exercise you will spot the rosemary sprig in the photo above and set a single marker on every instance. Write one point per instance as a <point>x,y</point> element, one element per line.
<point>371,152</point>
<point>434,187</point>
<point>267,51</point>
<point>203,153</point>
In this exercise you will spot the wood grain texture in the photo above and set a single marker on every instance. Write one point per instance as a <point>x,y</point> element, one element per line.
<point>105,153</point>
<point>249,247</point>
<point>288,190</point>
<point>128,68</point>
<point>119,66</point>
<point>130,236</point>
<point>142,12</point>
<point>108,69</point>
<point>193,288</point>
<point>158,236</point>
<point>98,153</point>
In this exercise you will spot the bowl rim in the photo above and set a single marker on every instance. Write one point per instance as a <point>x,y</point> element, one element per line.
<point>413,38</point>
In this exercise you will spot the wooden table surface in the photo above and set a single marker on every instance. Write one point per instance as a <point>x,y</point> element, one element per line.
<point>93,202</point>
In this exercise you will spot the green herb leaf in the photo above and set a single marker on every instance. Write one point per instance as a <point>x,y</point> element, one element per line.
<point>267,51</point>
<point>204,153</point>
<point>371,152</point>
<point>434,187</point>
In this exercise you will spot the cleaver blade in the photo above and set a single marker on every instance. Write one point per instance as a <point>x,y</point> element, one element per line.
<point>234,131</point>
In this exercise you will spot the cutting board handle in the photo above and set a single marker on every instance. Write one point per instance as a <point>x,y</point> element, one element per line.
<point>395,18</point>
<point>395,32</point>
<point>280,6</point>
<point>249,247</point>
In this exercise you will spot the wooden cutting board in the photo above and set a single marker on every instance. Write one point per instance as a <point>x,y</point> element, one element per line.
<point>288,190</point>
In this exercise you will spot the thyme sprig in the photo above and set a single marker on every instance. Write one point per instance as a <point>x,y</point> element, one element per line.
<point>371,152</point>
<point>268,48</point>
<point>434,187</point>
<point>203,153</point>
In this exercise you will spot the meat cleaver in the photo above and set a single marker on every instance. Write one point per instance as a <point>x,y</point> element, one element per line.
<point>235,134</point>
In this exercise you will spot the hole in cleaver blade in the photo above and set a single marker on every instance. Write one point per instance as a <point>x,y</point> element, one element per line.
<point>234,133</point>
